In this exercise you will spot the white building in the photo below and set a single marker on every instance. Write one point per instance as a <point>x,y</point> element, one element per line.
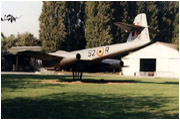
<point>158,59</point>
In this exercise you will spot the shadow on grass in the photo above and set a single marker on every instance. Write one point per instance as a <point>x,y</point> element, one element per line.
<point>40,77</point>
<point>125,81</point>
<point>84,106</point>
<point>81,106</point>
<point>26,81</point>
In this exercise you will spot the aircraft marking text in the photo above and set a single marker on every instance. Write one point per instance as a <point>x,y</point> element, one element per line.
<point>100,52</point>
<point>91,53</point>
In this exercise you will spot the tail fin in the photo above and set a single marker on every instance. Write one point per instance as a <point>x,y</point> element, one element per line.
<point>141,34</point>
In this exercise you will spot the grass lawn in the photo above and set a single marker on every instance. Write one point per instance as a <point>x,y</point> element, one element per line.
<point>32,96</point>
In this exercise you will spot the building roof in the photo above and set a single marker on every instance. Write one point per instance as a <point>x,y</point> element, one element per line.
<point>149,51</point>
<point>170,45</point>
<point>15,50</point>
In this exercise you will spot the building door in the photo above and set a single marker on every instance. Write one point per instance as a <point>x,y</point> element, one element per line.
<point>147,65</point>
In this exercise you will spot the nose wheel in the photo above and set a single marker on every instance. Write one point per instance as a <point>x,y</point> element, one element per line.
<point>77,72</point>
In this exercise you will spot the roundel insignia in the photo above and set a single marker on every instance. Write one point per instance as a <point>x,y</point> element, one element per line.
<point>100,52</point>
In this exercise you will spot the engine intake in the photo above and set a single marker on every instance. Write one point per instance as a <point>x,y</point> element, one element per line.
<point>78,56</point>
<point>121,63</point>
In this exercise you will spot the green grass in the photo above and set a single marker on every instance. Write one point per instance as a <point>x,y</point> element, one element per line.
<point>25,96</point>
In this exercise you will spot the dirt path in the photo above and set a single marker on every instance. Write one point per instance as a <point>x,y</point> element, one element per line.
<point>81,82</point>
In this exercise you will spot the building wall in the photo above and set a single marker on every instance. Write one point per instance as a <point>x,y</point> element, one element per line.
<point>167,61</point>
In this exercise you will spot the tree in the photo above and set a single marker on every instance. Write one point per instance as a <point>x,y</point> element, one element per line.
<point>175,36</point>
<point>153,20</point>
<point>52,28</point>
<point>166,21</point>
<point>125,18</point>
<point>26,39</point>
<point>2,36</point>
<point>142,7</point>
<point>123,12</point>
<point>62,26</point>
<point>7,42</point>
<point>151,10</point>
<point>74,23</point>
<point>3,42</point>
<point>98,23</point>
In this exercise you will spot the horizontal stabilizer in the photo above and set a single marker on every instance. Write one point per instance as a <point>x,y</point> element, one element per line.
<point>129,27</point>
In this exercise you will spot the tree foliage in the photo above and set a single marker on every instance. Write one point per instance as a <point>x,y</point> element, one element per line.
<point>90,24</point>
<point>26,39</point>
<point>23,39</point>
<point>52,31</point>
<point>98,23</point>
<point>175,35</point>
<point>62,25</point>
<point>123,12</point>
<point>69,25</point>
<point>7,42</point>
<point>74,23</point>
<point>167,22</point>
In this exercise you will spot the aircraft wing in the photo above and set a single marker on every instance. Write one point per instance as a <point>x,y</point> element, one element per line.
<point>129,27</point>
<point>36,52</point>
<point>40,55</point>
<point>47,56</point>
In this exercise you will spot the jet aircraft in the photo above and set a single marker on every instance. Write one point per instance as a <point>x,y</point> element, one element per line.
<point>79,59</point>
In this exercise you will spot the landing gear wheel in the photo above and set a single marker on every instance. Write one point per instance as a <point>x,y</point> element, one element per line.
<point>77,72</point>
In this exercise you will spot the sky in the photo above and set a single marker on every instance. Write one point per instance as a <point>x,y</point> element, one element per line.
<point>29,20</point>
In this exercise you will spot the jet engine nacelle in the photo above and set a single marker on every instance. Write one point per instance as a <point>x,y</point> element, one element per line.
<point>121,63</point>
<point>69,61</point>
<point>113,62</point>
<point>65,62</point>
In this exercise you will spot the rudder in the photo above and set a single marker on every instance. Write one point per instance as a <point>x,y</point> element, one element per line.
<point>140,20</point>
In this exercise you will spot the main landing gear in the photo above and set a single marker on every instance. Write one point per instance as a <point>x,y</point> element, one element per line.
<point>77,72</point>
